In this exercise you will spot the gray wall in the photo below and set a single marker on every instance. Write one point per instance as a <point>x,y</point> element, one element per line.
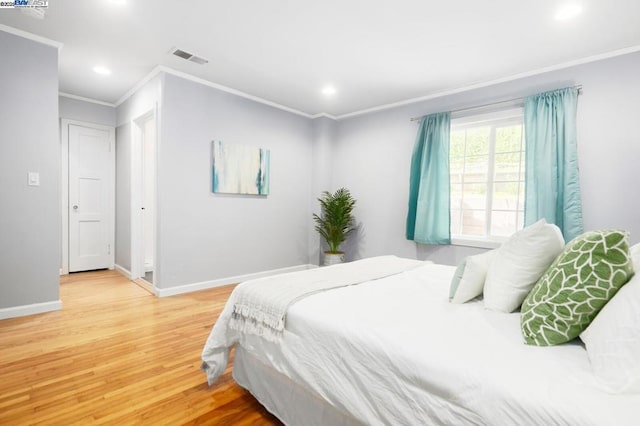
<point>145,98</point>
<point>324,133</point>
<point>74,109</point>
<point>372,155</point>
<point>123,196</point>
<point>205,236</point>
<point>29,141</point>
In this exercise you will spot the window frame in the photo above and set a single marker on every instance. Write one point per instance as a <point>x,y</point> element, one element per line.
<point>514,114</point>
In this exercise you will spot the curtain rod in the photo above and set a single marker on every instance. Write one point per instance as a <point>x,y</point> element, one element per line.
<point>508,101</point>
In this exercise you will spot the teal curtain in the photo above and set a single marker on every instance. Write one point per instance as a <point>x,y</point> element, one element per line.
<point>428,220</point>
<point>552,184</point>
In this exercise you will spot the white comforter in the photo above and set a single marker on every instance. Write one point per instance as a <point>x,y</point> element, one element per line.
<point>395,351</point>
<point>260,306</point>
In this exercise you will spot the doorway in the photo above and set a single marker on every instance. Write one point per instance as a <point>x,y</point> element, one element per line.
<point>143,191</point>
<point>88,194</point>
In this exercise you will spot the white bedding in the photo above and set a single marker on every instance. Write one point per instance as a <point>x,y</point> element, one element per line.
<point>260,306</point>
<point>395,351</point>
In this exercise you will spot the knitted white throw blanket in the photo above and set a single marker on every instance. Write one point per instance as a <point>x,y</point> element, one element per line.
<point>260,306</point>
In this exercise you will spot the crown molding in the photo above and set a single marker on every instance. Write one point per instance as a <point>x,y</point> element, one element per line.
<point>154,72</point>
<point>569,64</point>
<point>162,68</point>
<point>82,98</point>
<point>323,114</point>
<point>32,37</point>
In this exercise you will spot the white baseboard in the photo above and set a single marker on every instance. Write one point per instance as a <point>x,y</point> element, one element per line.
<point>145,285</point>
<point>123,271</point>
<point>188,288</point>
<point>36,308</point>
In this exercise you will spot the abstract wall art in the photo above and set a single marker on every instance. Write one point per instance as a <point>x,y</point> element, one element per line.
<point>240,169</point>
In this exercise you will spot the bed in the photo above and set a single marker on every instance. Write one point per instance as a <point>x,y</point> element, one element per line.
<point>394,350</point>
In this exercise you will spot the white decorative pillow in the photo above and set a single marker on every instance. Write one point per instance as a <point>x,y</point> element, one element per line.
<point>519,263</point>
<point>634,251</point>
<point>468,281</point>
<point>613,340</point>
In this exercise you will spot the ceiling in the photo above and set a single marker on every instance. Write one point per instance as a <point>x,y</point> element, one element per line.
<point>284,51</point>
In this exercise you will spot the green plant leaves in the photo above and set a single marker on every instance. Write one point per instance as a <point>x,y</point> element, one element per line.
<point>336,222</point>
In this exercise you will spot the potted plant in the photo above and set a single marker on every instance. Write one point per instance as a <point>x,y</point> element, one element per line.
<point>336,222</point>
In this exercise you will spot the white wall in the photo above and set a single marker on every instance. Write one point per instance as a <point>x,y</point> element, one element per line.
<point>372,155</point>
<point>29,142</point>
<point>90,112</point>
<point>205,236</point>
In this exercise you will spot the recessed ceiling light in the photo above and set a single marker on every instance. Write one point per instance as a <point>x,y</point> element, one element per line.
<point>101,70</point>
<point>329,91</point>
<point>568,11</point>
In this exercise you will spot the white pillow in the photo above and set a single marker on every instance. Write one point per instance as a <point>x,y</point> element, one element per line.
<point>613,340</point>
<point>468,281</point>
<point>634,251</point>
<point>519,263</point>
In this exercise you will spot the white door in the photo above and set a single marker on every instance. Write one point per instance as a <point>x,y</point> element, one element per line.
<point>148,191</point>
<point>91,198</point>
<point>143,197</point>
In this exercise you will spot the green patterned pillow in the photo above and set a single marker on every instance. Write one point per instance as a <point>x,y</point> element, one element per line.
<point>576,286</point>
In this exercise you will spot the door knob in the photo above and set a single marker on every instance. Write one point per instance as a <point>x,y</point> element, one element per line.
<point>75,207</point>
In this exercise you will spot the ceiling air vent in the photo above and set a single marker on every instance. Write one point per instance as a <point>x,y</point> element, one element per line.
<point>188,56</point>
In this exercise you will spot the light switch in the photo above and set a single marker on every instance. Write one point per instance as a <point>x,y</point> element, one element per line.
<point>34,179</point>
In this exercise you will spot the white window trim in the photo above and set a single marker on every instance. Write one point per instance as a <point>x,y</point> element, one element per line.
<point>504,116</point>
<point>467,241</point>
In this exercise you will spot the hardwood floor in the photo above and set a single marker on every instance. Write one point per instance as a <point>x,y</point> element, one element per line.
<point>117,355</point>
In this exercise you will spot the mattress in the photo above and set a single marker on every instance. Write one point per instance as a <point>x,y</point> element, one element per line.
<point>395,351</point>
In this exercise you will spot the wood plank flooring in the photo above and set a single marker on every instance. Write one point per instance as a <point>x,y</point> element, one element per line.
<point>117,355</point>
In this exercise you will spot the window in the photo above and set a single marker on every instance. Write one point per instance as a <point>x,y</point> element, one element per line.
<point>487,177</point>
